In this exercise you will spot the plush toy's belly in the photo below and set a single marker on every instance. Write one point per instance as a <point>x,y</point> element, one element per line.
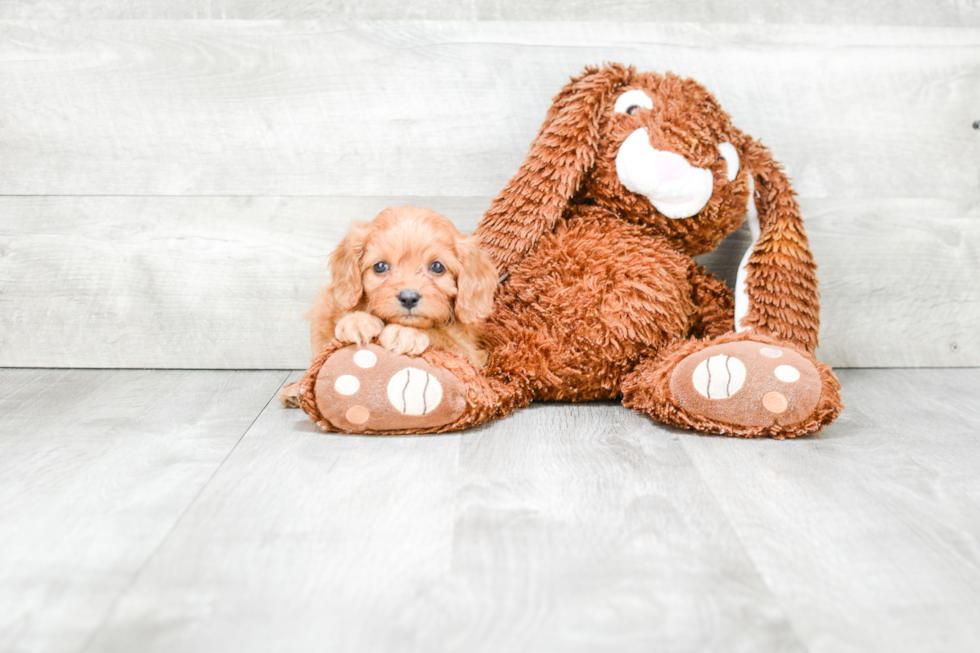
<point>590,301</point>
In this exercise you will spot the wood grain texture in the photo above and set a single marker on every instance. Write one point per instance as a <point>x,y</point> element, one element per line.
<point>898,282</point>
<point>172,282</point>
<point>878,12</point>
<point>325,542</point>
<point>565,528</point>
<point>97,468</point>
<point>869,533</point>
<point>584,528</point>
<point>131,520</point>
<point>442,108</point>
<point>224,282</point>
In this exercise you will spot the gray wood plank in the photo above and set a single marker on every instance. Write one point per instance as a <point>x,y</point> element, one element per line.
<point>223,282</point>
<point>443,108</point>
<point>868,533</point>
<point>877,12</point>
<point>898,282</point>
<point>172,282</point>
<point>564,528</point>
<point>311,541</point>
<point>586,528</point>
<point>97,468</point>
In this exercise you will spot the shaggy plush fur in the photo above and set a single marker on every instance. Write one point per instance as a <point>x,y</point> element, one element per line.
<point>603,298</point>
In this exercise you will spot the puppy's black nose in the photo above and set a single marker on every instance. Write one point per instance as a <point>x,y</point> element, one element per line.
<point>409,298</point>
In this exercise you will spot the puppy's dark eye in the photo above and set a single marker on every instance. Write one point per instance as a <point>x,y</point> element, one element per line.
<point>632,109</point>
<point>380,267</point>
<point>437,267</point>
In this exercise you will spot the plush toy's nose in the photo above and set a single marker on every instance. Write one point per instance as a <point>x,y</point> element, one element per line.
<point>409,298</point>
<point>669,166</point>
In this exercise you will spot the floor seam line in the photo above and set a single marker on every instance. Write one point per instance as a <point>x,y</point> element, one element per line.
<point>190,504</point>
<point>741,544</point>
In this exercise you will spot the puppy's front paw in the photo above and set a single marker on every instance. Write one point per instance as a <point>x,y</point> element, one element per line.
<point>400,339</point>
<point>358,327</point>
<point>289,396</point>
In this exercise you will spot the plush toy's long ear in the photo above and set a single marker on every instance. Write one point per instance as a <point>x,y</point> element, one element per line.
<point>552,172</point>
<point>776,290</point>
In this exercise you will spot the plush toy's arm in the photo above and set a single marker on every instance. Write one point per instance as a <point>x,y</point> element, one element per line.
<point>780,274</point>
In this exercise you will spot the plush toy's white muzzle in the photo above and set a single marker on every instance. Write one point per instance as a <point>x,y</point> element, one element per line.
<point>674,187</point>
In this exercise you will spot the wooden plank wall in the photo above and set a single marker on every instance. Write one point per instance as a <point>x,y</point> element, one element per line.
<point>171,183</point>
<point>945,13</point>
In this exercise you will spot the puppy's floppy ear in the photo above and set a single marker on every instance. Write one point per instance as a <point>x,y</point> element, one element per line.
<point>346,287</point>
<point>563,152</point>
<point>475,283</point>
<point>780,282</point>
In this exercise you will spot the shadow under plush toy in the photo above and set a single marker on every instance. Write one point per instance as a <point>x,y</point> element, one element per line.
<point>631,175</point>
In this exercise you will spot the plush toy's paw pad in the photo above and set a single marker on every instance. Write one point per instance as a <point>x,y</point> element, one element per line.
<point>747,384</point>
<point>371,389</point>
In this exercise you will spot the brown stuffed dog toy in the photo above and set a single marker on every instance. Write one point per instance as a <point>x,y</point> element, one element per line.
<point>631,175</point>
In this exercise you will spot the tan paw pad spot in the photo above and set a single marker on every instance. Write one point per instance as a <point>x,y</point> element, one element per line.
<point>414,392</point>
<point>770,352</point>
<point>775,402</point>
<point>719,377</point>
<point>357,414</point>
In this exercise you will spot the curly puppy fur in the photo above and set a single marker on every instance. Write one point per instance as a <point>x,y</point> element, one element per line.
<point>410,280</point>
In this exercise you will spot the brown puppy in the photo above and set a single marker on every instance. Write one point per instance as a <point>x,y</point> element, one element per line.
<point>409,279</point>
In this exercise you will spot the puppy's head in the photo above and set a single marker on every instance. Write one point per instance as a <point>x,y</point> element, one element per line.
<point>410,266</point>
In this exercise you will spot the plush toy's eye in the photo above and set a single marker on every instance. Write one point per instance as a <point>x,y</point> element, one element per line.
<point>437,267</point>
<point>381,267</point>
<point>630,101</point>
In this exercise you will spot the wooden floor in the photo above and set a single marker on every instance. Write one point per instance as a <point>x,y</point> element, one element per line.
<point>186,511</point>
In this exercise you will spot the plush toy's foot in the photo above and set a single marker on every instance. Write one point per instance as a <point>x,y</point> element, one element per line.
<point>747,384</point>
<point>739,386</point>
<point>367,389</point>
